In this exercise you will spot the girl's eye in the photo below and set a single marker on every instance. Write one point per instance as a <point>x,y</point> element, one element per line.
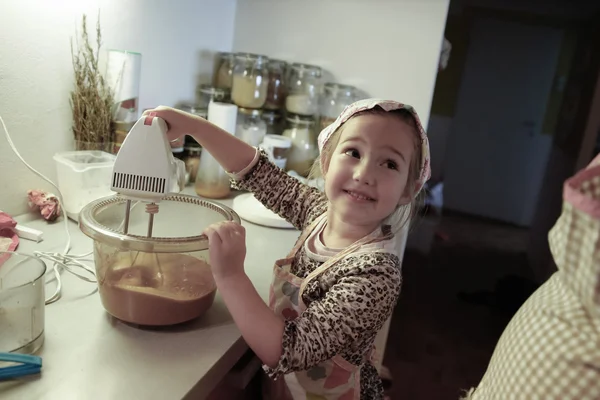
<point>391,165</point>
<point>352,153</point>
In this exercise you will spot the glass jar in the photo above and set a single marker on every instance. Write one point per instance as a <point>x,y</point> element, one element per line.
<point>273,121</point>
<point>207,93</point>
<point>180,154</point>
<point>224,75</point>
<point>212,181</point>
<point>276,88</point>
<point>22,300</point>
<point>303,87</point>
<point>192,160</point>
<point>192,109</point>
<point>304,150</point>
<point>250,126</point>
<point>250,80</point>
<point>335,98</point>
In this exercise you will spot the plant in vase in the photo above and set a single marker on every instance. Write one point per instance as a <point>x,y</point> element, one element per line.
<point>91,99</point>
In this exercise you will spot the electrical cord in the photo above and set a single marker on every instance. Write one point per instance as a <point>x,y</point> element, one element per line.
<point>61,261</point>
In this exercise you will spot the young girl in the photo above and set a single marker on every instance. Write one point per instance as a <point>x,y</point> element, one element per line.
<point>340,283</point>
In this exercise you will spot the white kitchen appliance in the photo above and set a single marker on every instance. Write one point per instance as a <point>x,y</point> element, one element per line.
<point>156,272</point>
<point>145,169</point>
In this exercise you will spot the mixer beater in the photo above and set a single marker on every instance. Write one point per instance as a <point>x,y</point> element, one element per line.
<point>146,171</point>
<point>151,209</point>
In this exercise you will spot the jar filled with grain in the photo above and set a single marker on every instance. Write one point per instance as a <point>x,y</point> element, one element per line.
<point>304,150</point>
<point>250,126</point>
<point>223,78</point>
<point>207,93</point>
<point>276,89</point>
<point>335,98</point>
<point>303,89</point>
<point>250,80</point>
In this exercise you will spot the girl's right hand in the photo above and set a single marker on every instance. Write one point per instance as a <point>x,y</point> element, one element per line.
<point>179,122</point>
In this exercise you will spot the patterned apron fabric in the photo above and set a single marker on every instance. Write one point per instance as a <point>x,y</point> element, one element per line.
<point>551,347</point>
<point>334,379</point>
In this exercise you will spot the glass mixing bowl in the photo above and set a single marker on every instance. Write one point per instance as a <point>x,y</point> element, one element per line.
<point>164,279</point>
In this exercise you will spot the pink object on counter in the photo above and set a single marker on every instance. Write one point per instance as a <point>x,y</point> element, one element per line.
<point>47,203</point>
<point>9,240</point>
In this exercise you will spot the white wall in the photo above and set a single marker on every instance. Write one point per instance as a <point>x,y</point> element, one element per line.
<point>386,48</point>
<point>176,40</point>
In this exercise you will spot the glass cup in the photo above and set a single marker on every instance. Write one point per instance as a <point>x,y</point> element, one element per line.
<point>22,302</point>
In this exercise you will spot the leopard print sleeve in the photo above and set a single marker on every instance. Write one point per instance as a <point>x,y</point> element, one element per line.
<point>283,194</point>
<point>344,320</point>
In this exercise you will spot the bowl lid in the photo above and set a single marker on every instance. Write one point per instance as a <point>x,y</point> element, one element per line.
<point>176,228</point>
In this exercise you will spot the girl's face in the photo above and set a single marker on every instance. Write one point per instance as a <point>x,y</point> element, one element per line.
<point>368,170</point>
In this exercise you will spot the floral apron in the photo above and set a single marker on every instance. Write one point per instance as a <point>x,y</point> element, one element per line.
<point>334,379</point>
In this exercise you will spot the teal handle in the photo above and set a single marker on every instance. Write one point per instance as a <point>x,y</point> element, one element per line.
<point>26,365</point>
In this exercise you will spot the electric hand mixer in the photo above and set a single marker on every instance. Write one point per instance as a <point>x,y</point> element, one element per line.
<point>145,169</point>
<point>144,278</point>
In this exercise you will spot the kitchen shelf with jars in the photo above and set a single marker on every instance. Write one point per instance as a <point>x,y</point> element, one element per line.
<point>274,97</point>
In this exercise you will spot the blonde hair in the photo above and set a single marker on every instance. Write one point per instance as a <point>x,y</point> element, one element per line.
<point>404,213</point>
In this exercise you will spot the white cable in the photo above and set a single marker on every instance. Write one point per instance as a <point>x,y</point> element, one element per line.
<point>61,261</point>
<point>67,261</point>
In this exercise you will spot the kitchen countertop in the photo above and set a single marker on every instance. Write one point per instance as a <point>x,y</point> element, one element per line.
<point>87,354</point>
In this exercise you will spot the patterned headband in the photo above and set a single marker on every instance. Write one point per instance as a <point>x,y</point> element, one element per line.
<point>386,105</point>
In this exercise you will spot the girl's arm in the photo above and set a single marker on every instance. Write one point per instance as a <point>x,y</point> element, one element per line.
<point>281,193</point>
<point>230,152</point>
<point>349,315</point>
<point>261,328</point>
<point>354,308</point>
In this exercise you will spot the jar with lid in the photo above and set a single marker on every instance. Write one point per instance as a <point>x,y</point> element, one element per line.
<point>207,93</point>
<point>192,109</point>
<point>250,80</point>
<point>303,89</point>
<point>273,121</point>
<point>276,88</point>
<point>180,154</point>
<point>211,179</point>
<point>335,98</point>
<point>250,126</point>
<point>223,78</point>
<point>192,160</point>
<point>304,150</point>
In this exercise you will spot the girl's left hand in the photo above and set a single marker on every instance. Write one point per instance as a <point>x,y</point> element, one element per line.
<point>227,248</point>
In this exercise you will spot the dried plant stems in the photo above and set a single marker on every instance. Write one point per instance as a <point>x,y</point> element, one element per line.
<point>92,99</point>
